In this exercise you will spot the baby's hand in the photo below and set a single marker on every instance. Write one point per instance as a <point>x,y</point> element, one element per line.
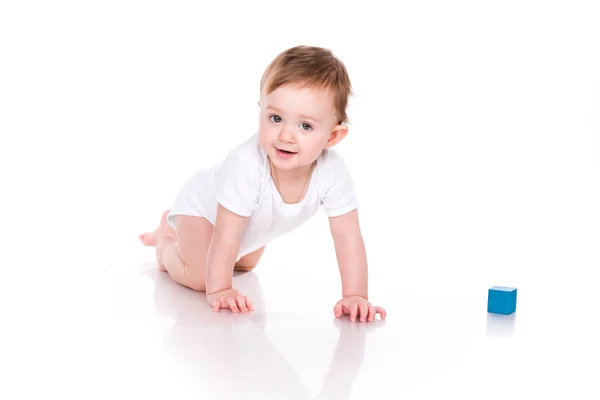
<point>357,306</point>
<point>230,298</point>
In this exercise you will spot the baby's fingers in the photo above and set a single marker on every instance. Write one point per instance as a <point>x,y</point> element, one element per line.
<point>381,312</point>
<point>241,303</point>
<point>249,303</point>
<point>372,313</point>
<point>353,312</point>
<point>219,303</point>
<point>232,305</point>
<point>337,310</point>
<point>364,311</point>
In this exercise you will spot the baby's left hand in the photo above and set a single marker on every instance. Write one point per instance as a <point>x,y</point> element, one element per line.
<point>357,306</point>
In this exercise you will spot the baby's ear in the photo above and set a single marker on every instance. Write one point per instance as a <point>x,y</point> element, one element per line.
<point>339,132</point>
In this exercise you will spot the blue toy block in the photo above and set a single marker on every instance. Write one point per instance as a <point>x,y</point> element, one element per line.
<point>502,300</point>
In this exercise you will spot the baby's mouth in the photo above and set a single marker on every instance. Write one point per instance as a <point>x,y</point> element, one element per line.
<point>285,151</point>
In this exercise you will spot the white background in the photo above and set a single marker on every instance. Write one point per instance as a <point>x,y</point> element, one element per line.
<point>474,144</point>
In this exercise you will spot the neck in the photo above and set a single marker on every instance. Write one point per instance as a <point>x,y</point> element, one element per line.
<point>296,174</point>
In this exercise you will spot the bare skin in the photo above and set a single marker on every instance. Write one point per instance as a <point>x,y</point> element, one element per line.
<point>184,255</point>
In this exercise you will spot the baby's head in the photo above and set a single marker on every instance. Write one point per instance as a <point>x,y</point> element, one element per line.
<point>303,98</point>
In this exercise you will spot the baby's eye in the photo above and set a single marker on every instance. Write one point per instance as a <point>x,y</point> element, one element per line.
<point>275,118</point>
<point>306,126</point>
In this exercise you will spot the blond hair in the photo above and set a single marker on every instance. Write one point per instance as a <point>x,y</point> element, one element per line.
<point>313,67</point>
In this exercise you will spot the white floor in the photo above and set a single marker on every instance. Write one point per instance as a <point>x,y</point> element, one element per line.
<point>125,330</point>
<point>475,149</point>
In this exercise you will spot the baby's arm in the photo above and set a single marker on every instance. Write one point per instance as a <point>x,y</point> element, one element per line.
<point>351,254</point>
<point>352,262</point>
<point>221,257</point>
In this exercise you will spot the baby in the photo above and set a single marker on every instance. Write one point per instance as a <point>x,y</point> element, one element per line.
<point>269,185</point>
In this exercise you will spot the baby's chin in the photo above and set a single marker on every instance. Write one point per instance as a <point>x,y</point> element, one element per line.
<point>293,166</point>
<point>287,162</point>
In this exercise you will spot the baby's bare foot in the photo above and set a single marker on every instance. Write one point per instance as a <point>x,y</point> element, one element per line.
<point>150,238</point>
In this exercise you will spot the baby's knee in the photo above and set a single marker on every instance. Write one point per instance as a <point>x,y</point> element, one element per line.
<point>243,268</point>
<point>249,261</point>
<point>198,286</point>
<point>195,277</point>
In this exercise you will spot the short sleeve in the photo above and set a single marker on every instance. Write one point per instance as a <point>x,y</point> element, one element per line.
<point>339,194</point>
<point>238,180</point>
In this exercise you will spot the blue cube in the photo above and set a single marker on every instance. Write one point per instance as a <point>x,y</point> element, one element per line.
<point>502,300</point>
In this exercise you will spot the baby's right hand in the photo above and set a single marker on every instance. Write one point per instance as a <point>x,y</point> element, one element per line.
<point>230,298</point>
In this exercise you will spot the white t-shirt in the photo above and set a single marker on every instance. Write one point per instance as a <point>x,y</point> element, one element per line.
<point>242,183</point>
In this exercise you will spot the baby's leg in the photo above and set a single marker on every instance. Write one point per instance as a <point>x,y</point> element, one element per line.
<point>183,255</point>
<point>249,261</point>
<point>150,238</point>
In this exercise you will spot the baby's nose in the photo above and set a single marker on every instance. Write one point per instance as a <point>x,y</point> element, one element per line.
<point>286,135</point>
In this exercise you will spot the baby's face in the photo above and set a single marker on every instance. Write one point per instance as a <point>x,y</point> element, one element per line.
<point>298,120</point>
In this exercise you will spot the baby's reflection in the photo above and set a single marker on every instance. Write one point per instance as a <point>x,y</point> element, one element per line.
<point>347,358</point>
<point>230,355</point>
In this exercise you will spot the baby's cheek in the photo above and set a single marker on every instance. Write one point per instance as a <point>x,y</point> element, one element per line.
<point>314,148</point>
